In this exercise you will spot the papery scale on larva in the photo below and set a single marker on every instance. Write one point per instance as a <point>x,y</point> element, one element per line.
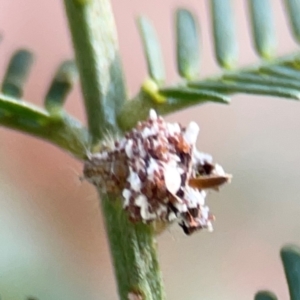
<point>159,173</point>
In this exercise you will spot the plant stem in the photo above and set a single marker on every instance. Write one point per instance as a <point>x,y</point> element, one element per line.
<point>95,42</point>
<point>138,108</point>
<point>133,249</point>
<point>61,130</point>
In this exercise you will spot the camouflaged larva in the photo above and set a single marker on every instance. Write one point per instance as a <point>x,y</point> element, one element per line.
<point>159,173</point>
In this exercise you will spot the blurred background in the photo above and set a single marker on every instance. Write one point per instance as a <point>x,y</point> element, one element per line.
<point>52,241</point>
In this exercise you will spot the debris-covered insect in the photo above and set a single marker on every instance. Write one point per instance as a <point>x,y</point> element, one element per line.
<point>159,173</point>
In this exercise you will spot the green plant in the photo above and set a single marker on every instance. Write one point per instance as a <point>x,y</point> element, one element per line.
<point>107,106</point>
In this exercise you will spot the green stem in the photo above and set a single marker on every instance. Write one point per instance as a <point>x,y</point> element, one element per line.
<point>133,249</point>
<point>96,48</point>
<point>61,130</point>
<point>95,42</point>
<point>138,108</point>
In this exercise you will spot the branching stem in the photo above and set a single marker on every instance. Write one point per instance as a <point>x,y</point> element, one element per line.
<point>95,42</point>
<point>61,130</point>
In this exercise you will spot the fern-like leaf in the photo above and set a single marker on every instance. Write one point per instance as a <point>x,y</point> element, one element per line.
<point>277,77</point>
<point>61,85</point>
<point>52,124</point>
<point>226,46</point>
<point>265,295</point>
<point>188,50</point>
<point>290,256</point>
<point>16,73</point>
<point>152,49</point>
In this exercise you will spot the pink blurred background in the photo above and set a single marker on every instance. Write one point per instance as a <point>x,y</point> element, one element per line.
<point>52,242</point>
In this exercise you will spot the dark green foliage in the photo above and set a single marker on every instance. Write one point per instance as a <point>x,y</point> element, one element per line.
<point>16,74</point>
<point>152,50</point>
<point>226,46</point>
<point>188,52</point>
<point>275,77</point>
<point>235,86</point>
<point>62,130</point>
<point>61,85</point>
<point>265,295</point>
<point>281,71</point>
<point>290,256</point>
<point>272,77</point>
<point>59,128</point>
<point>263,27</point>
<point>293,9</point>
<point>194,94</point>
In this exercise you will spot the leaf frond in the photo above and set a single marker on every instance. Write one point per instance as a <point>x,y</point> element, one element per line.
<point>53,123</point>
<point>152,50</point>
<point>16,73</point>
<point>290,257</point>
<point>62,83</point>
<point>187,48</point>
<point>271,76</point>
<point>265,295</point>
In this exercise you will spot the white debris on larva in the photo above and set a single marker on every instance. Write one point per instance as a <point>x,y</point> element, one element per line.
<point>172,179</point>
<point>152,115</point>
<point>191,133</point>
<point>151,167</point>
